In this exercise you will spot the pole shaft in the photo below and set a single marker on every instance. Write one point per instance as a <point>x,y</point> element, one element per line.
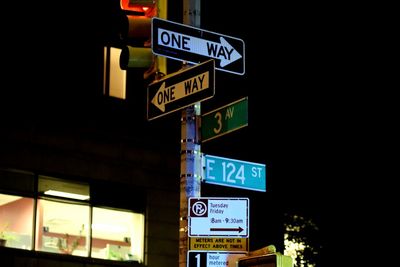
<point>190,147</point>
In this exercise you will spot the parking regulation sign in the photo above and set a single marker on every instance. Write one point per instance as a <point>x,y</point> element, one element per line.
<point>219,217</point>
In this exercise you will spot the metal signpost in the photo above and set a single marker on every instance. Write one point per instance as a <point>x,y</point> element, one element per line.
<point>234,173</point>
<point>224,120</point>
<point>194,45</point>
<point>190,147</point>
<point>225,222</point>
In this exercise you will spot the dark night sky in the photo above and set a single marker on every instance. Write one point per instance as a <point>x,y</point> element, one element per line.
<point>293,82</point>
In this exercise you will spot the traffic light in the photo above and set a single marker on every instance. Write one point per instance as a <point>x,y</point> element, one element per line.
<point>128,43</point>
<point>136,35</point>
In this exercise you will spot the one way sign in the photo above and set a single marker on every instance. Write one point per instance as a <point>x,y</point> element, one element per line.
<point>187,43</point>
<point>181,89</point>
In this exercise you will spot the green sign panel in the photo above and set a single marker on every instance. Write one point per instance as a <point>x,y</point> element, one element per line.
<point>224,120</point>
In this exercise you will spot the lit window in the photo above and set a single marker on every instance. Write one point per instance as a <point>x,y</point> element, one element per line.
<point>117,235</point>
<point>63,217</point>
<point>114,83</point>
<point>16,221</point>
<point>66,223</point>
<point>59,188</point>
<point>62,227</point>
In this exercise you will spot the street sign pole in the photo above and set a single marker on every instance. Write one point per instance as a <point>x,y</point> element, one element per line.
<point>190,147</point>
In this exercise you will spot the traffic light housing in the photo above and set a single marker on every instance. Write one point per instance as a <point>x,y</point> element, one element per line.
<point>127,35</point>
<point>133,55</point>
<point>136,35</point>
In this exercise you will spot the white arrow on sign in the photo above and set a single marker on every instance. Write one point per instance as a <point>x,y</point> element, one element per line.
<point>166,95</point>
<point>222,51</point>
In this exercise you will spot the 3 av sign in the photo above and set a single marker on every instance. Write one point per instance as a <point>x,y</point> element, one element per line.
<point>187,43</point>
<point>224,120</point>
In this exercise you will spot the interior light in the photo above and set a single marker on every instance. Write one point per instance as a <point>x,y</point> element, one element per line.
<point>109,228</point>
<point>66,194</point>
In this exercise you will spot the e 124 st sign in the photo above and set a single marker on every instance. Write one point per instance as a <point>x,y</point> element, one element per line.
<point>187,43</point>
<point>234,173</point>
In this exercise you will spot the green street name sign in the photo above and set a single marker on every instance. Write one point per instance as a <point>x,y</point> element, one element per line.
<point>224,120</point>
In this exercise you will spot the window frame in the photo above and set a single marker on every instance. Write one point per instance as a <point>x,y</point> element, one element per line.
<point>36,195</point>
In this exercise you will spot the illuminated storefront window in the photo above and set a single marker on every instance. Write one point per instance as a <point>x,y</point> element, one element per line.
<point>114,83</point>
<point>60,218</point>
<point>62,228</point>
<point>16,221</point>
<point>117,235</point>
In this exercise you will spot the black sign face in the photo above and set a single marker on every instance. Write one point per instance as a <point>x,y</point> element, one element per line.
<point>194,45</point>
<point>181,89</point>
<point>197,259</point>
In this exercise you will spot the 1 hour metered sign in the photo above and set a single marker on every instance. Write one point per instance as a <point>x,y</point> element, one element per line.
<point>187,43</point>
<point>213,259</point>
<point>181,89</point>
<point>218,217</point>
<point>234,173</point>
